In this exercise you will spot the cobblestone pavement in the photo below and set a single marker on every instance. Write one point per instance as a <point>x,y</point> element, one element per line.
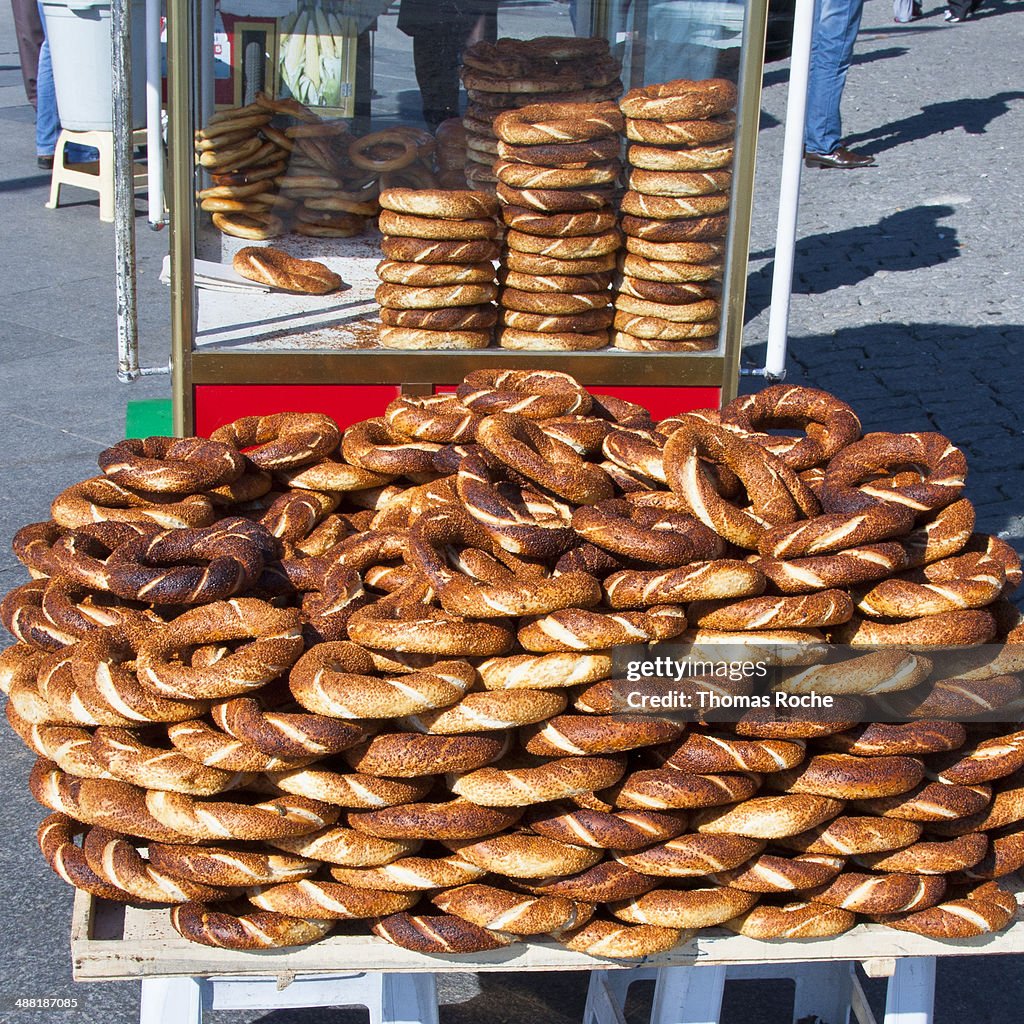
<point>908,304</point>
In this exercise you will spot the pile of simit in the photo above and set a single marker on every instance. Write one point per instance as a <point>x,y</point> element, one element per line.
<point>283,677</point>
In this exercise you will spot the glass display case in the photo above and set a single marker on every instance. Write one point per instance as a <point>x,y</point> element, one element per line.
<point>333,100</point>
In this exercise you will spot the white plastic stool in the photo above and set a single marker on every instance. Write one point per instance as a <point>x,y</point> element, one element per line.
<point>825,990</point>
<point>102,179</point>
<point>390,998</point>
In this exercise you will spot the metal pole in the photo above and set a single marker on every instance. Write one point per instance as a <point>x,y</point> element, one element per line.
<point>124,193</point>
<point>789,192</point>
<point>154,128</point>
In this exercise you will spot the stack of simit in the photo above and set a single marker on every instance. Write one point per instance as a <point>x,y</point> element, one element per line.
<point>515,72</point>
<point>557,171</point>
<point>675,214</point>
<point>391,686</point>
<point>438,280</point>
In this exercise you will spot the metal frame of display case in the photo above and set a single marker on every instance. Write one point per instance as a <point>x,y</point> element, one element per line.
<point>421,372</point>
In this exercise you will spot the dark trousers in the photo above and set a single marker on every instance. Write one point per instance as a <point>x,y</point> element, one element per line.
<point>961,8</point>
<point>29,30</point>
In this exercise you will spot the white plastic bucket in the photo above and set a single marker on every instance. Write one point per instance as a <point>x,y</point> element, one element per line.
<point>79,35</point>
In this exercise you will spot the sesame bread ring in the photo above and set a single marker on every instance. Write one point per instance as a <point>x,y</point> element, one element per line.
<point>705,754</point>
<point>768,873</point>
<point>882,894</point>
<point>1006,808</point>
<point>552,780</point>
<point>571,284</point>
<point>510,338</point>
<point>620,830</point>
<point>558,225</point>
<point>458,318</point>
<point>639,204</point>
<point>260,929</point>
<point>616,941</point>
<point>933,802</point>
<point>520,444</point>
<point>547,123</point>
<point>670,789</point>
<point>338,679</point>
<point>275,644</point>
<point>567,248</point>
<point>864,564</point>
<point>514,522</point>
<point>962,581</point>
<point>226,866</point>
<point>487,711</point>
<point>408,226</point>
<point>345,847</point>
<point>556,200</point>
<point>835,424</point>
<point>439,934</point>
<point>652,332</point>
<point>607,880</point>
<point>588,322</point>
<point>461,205</point>
<point>434,274</point>
<point>277,818</point>
<point>982,910</point>
<point>597,734</point>
<point>989,759</point>
<point>285,734</point>
<point>691,855</point>
<point>700,338</point>
<point>823,608</point>
<point>494,908</point>
<point>421,339</point>
<point>533,394</point>
<point>171,465</point>
<point>395,150</point>
<point>694,158</point>
<point>342,225</point>
<point>835,532</point>
<point>931,858</point>
<point>802,920</point>
<point>253,225</point>
<point>690,229</point>
<point>32,546</point>
<point>207,745</point>
<point>1005,857</point>
<point>534,176</point>
<point>125,756</point>
<point>846,487</point>
<point>543,81</point>
<point>283,440</point>
<point>453,819</point>
<point>522,855</point>
<point>56,837</point>
<point>329,901</point>
<point>537,672</point>
<point>1003,553</point>
<point>578,629</point>
<point>684,908</point>
<point>681,133</point>
<point>847,777</point>
<point>679,183</point>
<point>353,790</point>
<point>416,250</point>
<point>568,264</point>
<point>411,874</point>
<point>69,747</point>
<point>894,738</point>
<point>562,154</point>
<point>292,516</point>
<point>768,817</point>
<point>370,445</point>
<point>22,615</point>
<point>399,623</point>
<point>956,698</point>
<point>399,296</point>
<point>959,628</point>
<point>680,99</point>
<point>99,499</point>
<point>412,755</point>
<point>945,532</point>
<point>332,475</point>
<point>847,836</point>
<point>663,293</point>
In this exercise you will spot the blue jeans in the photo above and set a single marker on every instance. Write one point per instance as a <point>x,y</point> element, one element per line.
<point>47,117</point>
<point>835,28</point>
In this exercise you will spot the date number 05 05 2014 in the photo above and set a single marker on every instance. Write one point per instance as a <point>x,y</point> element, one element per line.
<point>55,1003</point>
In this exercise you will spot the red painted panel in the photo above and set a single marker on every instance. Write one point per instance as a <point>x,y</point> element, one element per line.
<point>217,404</point>
<point>661,402</point>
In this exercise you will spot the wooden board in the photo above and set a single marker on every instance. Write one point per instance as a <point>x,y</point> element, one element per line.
<point>115,942</point>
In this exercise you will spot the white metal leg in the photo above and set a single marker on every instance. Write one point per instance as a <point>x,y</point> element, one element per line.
<point>171,1001</point>
<point>910,998</point>
<point>688,995</point>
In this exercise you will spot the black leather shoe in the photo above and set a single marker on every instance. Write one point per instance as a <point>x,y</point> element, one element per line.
<point>840,157</point>
<point>44,162</point>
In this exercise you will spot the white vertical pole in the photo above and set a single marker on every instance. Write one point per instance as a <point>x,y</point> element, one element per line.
<point>789,191</point>
<point>154,127</point>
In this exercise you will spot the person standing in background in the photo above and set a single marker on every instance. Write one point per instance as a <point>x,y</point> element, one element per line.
<point>28,27</point>
<point>904,11</point>
<point>836,23</point>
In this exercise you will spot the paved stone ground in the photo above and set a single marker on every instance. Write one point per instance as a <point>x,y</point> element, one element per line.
<point>908,304</point>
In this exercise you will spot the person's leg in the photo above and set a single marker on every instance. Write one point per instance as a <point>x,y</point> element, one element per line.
<point>903,10</point>
<point>47,119</point>
<point>836,23</point>
<point>959,9</point>
<point>435,59</point>
<point>29,30</point>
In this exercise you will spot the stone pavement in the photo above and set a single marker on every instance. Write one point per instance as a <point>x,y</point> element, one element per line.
<point>908,304</point>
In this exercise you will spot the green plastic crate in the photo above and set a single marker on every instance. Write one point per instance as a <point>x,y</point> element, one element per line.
<point>149,417</point>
